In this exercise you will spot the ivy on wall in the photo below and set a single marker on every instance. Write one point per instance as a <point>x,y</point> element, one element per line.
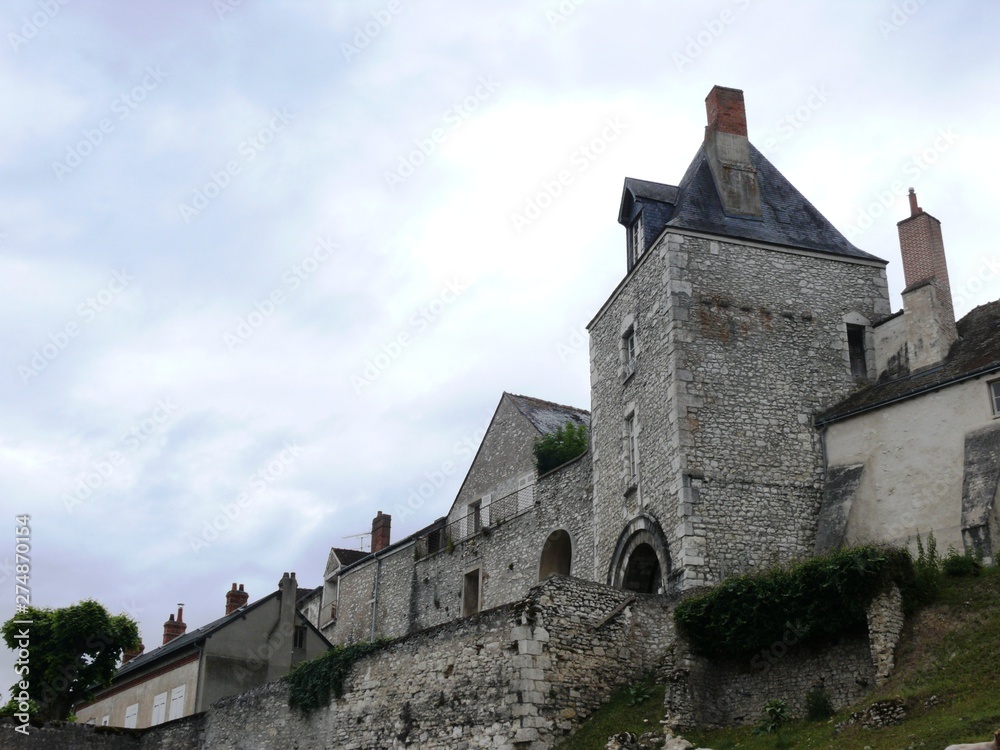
<point>312,683</point>
<point>821,598</point>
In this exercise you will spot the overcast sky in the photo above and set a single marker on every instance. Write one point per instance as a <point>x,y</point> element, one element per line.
<point>269,266</point>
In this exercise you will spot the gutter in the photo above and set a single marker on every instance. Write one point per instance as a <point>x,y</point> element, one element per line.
<point>378,573</point>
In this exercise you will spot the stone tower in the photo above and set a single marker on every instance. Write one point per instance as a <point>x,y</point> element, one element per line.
<point>743,311</point>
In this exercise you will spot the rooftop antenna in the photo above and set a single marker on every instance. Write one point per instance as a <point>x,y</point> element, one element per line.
<point>361,544</point>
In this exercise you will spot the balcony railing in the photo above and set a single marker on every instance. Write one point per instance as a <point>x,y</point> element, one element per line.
<point>493,514</point>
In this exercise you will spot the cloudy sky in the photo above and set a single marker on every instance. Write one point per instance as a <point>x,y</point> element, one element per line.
<point>268,266</point>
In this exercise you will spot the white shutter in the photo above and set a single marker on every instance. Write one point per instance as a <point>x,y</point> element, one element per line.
<point>525,492</point>
<point>159,709</point>
<point>106,720</point>
<point>485,508</point>
<point>131,714</point>
<point>177,703</point>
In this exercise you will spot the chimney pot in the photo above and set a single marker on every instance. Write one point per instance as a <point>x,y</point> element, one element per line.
<point>235,598</point>
<point>914,208</point>
<point>173,628</point>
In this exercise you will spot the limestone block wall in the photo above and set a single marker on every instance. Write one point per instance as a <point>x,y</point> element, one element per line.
<point>416,590</point>
<point>516,677</point>
<point>710,692</point>
<point>738,346</point>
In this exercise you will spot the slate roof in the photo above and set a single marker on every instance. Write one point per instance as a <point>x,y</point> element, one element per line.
<point>348,556</point>
<point>787,218</point>
<point>190,638</point>
<point>546,416</point>
<point>976,353</point>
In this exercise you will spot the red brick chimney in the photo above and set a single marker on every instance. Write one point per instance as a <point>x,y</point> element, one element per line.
<point>922,248</point>
<point>727,151</point>
<point>173,628</point>
<point>726,111</point>
<point>380,531</point>
<point>128,655</point>
<point>235,598</point>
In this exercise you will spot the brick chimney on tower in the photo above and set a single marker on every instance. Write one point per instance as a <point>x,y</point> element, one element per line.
<point>728,152</point>
<point>235,598</point>
<point>922,248</point>
<point>380,531</point>
<point>173,628</point>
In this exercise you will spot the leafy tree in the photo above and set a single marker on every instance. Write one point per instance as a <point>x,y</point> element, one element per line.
<point>70,651</point>
<point>558,447</point>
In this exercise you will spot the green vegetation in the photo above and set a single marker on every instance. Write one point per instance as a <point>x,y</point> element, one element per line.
<point>775,716</point>
<point>821,598</point>
<point>818,706</point>
<point>312,683</point>
<point>558,447</point>
<point>73,650</point>
<point>621,714</point>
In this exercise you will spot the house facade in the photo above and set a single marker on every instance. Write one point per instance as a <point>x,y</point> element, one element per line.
<point>252,644</point>
<point>754,401</point>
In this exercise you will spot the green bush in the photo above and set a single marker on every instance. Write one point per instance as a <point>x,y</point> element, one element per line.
<point>927,572</point>
<point>312,683</point>
<point>818,705</point>
<point>558,447</point>
<point>821,598</point>
<point>967,564</point>
<point>775,717</point>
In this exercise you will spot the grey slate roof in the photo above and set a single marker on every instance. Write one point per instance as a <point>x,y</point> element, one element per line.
<point>787,218</point>
<point>546,416</point>
<point>348,556</point>
<point>976,353</point>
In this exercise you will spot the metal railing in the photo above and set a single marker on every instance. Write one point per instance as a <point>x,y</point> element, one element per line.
<point>492,514</point>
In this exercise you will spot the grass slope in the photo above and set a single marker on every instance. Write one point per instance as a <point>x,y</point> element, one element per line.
<point>947,671</point>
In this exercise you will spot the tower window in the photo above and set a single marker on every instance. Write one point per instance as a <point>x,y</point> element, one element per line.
<point>632,438</point>
<point>856,350</point>
<point>995,397</point>
<point>628,350</point>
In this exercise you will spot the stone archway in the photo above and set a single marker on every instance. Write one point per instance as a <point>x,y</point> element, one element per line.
<point>557,555</point>
<point>641,560</point>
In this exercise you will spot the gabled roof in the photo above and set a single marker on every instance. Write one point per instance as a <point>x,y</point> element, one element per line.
<point>348,556</point>
<point>787,218</point>
<point>546,416</point>
<point>975,353</point>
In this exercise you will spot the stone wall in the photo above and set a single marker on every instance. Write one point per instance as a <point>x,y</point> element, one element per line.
<point>738,345</point>
<point>182,734</point>
<point>710,692</point>
<point>417,590</point>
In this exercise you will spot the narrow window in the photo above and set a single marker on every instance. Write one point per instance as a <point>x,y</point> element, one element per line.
<point>525,492</point>
<point>995,396</point>
<point>628,351</point>
<point>856,349</point>
<point>131,715</point>
<point>632,437</point>
<point>470,593</point>
<point>474,518</point>
<point>106,720</point>
<point>299,637</point>
<point>636,238</point>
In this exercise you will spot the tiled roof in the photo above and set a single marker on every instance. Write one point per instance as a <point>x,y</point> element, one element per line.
<point>787,218</point>
<point>546,416</point>
<point>977,352</point>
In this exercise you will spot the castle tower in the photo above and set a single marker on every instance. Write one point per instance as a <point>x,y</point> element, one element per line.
<point>743,311</point>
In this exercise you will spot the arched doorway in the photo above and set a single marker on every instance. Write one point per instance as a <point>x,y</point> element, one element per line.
<point>642,574</point>
<point>557,555</point>
<point>640,561</point>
